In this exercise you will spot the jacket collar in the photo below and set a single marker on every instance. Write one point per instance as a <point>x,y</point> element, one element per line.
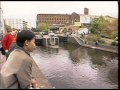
<point>27,52</point>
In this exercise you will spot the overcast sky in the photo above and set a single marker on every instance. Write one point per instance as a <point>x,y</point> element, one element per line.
<point>29,9</point>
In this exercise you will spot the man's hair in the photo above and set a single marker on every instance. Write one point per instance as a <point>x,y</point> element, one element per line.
<point>23,36</point>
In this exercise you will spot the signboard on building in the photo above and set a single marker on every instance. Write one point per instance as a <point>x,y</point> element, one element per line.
<point>85,19</point>
<point>77,24</point>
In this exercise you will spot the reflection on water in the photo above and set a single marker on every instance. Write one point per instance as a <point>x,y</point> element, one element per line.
<point>73,67</point>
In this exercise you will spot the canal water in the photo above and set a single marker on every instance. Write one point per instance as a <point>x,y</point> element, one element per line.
<point>75,67</point>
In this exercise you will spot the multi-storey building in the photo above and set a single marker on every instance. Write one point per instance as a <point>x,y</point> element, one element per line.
<point>58,19</point>
<point>87,19</point>
<point>66,19</point>
<point>63,19</point>
<point>16,23</point>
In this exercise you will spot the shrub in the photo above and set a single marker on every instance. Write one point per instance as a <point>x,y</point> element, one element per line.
<point>102,41</point>
<point>114,43</point>
<point>114,34</point>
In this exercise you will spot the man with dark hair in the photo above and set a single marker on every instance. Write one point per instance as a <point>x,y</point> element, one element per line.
<point>17,71</point>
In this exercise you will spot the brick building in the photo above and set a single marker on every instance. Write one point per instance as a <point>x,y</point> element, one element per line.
<point>57,19</point>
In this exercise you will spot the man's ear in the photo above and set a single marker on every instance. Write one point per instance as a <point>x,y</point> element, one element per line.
<point>26,42</point>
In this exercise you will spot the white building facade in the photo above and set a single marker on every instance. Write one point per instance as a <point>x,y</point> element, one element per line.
<point>2,26</point>
<point>16,23</point>
<point>87,19</point>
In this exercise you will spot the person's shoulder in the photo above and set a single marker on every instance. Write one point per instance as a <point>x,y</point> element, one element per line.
<point>7,35</point>
<point>21,54</point>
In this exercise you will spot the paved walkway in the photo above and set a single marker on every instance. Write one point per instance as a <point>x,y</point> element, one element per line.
<point>100,48</point>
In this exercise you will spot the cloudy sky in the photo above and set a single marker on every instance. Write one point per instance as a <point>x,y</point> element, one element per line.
<point>29,9</point>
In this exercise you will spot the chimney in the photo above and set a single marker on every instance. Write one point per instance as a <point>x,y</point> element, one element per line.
<point>86,11</point>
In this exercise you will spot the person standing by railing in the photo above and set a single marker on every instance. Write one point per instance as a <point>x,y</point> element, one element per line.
<point>8,40</point>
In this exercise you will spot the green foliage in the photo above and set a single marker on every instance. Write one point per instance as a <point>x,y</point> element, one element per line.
<point>35,30</point>
<point>107,28</point>
<point>64,30</point>
<point>93,38</point>
<point>43,27</point>
<point>96,26</point>
<point>102,41</point>
<point>115,43</point>
<point>104,36</point>
<point>114,34</point>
